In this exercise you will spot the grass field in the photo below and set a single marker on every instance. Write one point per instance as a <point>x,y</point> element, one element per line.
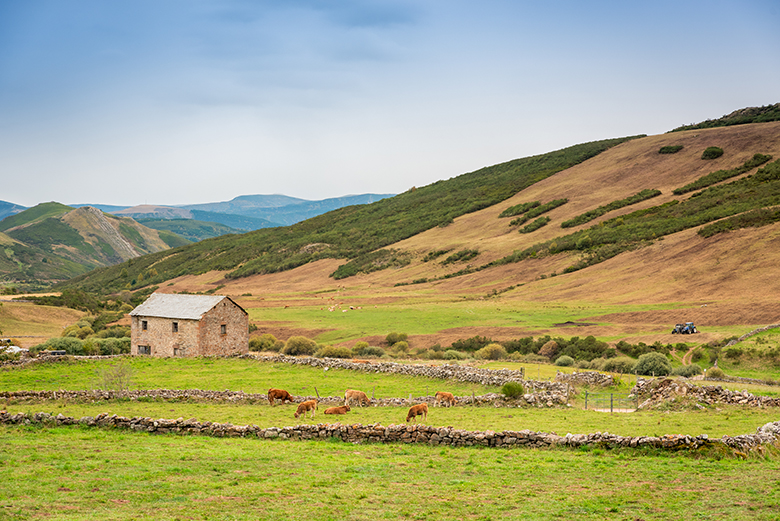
<point>74,473</point>
<point>69,473</point>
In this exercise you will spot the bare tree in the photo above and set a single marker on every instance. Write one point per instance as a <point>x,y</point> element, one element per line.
<point>116,377</point>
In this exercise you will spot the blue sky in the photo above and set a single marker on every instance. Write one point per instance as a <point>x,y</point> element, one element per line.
<point>189,101</point>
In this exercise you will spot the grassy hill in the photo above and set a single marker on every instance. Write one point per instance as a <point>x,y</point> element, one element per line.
<point>351,232</point>
<point>52,242</point>
<point>190,229</point>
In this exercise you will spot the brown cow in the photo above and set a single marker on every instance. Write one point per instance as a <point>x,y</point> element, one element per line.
<point>344,409</point>
<point>303,408</point>
<point>444,397</point>
<point>278,394</point>
<point>360,396</point>
<point>417,410</point>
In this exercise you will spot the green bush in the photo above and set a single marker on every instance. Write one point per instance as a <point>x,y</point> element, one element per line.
<point>264,342</point>
<point>71,345</point>
<point>653,364</point>
<point>114,346</point>
<point>471,344</point>
<point>712,153</point>
<point>299,345</point>
<point>452,354</point>
<point>688,370</point>
<point>619,364</point>
<point>564,361</point>
<point>491,352</point>
<point>670,149</point>
<point>372,351</point>
<point>359,346</point>
<point>716,373</point>
<point>513,390</point>
<point>333,352</point>
<point>393,338</point>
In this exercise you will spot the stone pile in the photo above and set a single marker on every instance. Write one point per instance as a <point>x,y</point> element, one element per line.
<point>590,378</point>
<point>419,434</point>
<point>495,377</point>
<point>661,390</point>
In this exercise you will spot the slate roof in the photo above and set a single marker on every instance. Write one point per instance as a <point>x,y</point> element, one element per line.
<point>191,307</point>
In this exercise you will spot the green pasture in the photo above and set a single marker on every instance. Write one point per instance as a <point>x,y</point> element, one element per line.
<point>714,422</point>
<point>220,374</point>
<point>418,314</point>
<point>74,473</point>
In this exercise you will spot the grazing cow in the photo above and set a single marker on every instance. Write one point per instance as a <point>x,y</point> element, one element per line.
<point>360,396</point>
<point>444,397</point>
<point>417,410</point>
<point>344,409</point>
<point>278,394</point>
<point>303,408</point>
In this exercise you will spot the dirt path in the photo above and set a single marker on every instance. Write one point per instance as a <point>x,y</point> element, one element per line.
<point>686,359</point>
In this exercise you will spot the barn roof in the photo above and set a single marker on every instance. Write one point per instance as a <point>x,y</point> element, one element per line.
<point>191,307</point>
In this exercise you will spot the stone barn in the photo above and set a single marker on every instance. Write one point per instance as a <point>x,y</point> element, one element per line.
<point>189,325</point>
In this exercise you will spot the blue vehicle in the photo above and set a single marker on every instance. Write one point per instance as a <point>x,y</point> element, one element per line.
<point>684,329</point>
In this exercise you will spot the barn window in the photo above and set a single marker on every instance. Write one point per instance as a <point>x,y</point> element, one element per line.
<point>175,327</point>
<point>144,350</point>
<point>223,329</point>
<point>144,325</point>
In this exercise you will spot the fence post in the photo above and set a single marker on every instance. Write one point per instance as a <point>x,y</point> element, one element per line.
<point>586,400</point>
<point>317,393</point>
<point>610,402</point>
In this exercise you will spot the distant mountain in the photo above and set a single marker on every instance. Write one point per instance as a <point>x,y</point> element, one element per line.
<point>7,209</point>
<point>153,211</point>
<point>108,208</point>
<point>240,222</point>
<point>283,209</point>
<point>52,241</point>
<point>156,212</point>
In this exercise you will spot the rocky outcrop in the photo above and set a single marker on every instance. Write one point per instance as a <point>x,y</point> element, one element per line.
<point>418,434</point>
<point>661,390</point>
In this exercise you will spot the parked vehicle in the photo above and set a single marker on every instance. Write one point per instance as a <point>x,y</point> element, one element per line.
<point>684,329</point>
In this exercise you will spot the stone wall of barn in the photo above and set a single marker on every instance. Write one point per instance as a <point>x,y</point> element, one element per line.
<point>161,338</point>
<point>223,330</point>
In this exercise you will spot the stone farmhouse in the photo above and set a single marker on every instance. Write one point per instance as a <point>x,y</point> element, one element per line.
<point>189,325</point>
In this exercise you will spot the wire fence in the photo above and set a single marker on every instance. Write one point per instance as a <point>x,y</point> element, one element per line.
<point>611,402</point>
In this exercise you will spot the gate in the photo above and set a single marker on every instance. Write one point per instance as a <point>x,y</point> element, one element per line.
<point>610,402</point>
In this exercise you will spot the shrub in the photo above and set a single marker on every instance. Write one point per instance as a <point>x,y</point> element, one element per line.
<point>670,149</point>
<point>654,364</point>
<point>688,370</point>
<point>620,364</point>
<point>564,361</point>
<point>549,350</point>
<point>401,345</point>
<point>584,364</point>
<point>114,346</point>
<point>712,153</point>
<point>733,352</point>
<point>333,352</point>
<point>372,351</point>
<point>452,354</point>
<point>393,338</point>
<point>264,342</point>
<point>716,373</point>
<point>359,346</point>
<point>513,390</point>
<point>72,346</point>
<point>471,344</point>
<point>299,345</point>
<point>491,352</point>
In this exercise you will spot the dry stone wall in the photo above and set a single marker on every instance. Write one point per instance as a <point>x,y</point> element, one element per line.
<point>590,378</point>
<point>661,390</point>
<point>768,434</point>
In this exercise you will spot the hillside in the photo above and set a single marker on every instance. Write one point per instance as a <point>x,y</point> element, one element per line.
<point>191,229</point>
<point>51,242</point>
<point>7,209</point>
<point>353,232</point>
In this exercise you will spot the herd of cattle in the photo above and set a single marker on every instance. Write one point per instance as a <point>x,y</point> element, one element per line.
<point>351,395</point>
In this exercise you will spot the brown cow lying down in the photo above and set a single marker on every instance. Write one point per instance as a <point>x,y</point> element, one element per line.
<point>303,408</point>
<point>418,410</point>
<point>278,394</point>
<point>344,409</point>
<point>360,396</point>
<point>443,397</point>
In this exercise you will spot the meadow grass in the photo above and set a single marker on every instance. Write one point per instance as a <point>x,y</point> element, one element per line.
<point>219,374</point>
<point>715,422</point>
<point>69,473</point>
